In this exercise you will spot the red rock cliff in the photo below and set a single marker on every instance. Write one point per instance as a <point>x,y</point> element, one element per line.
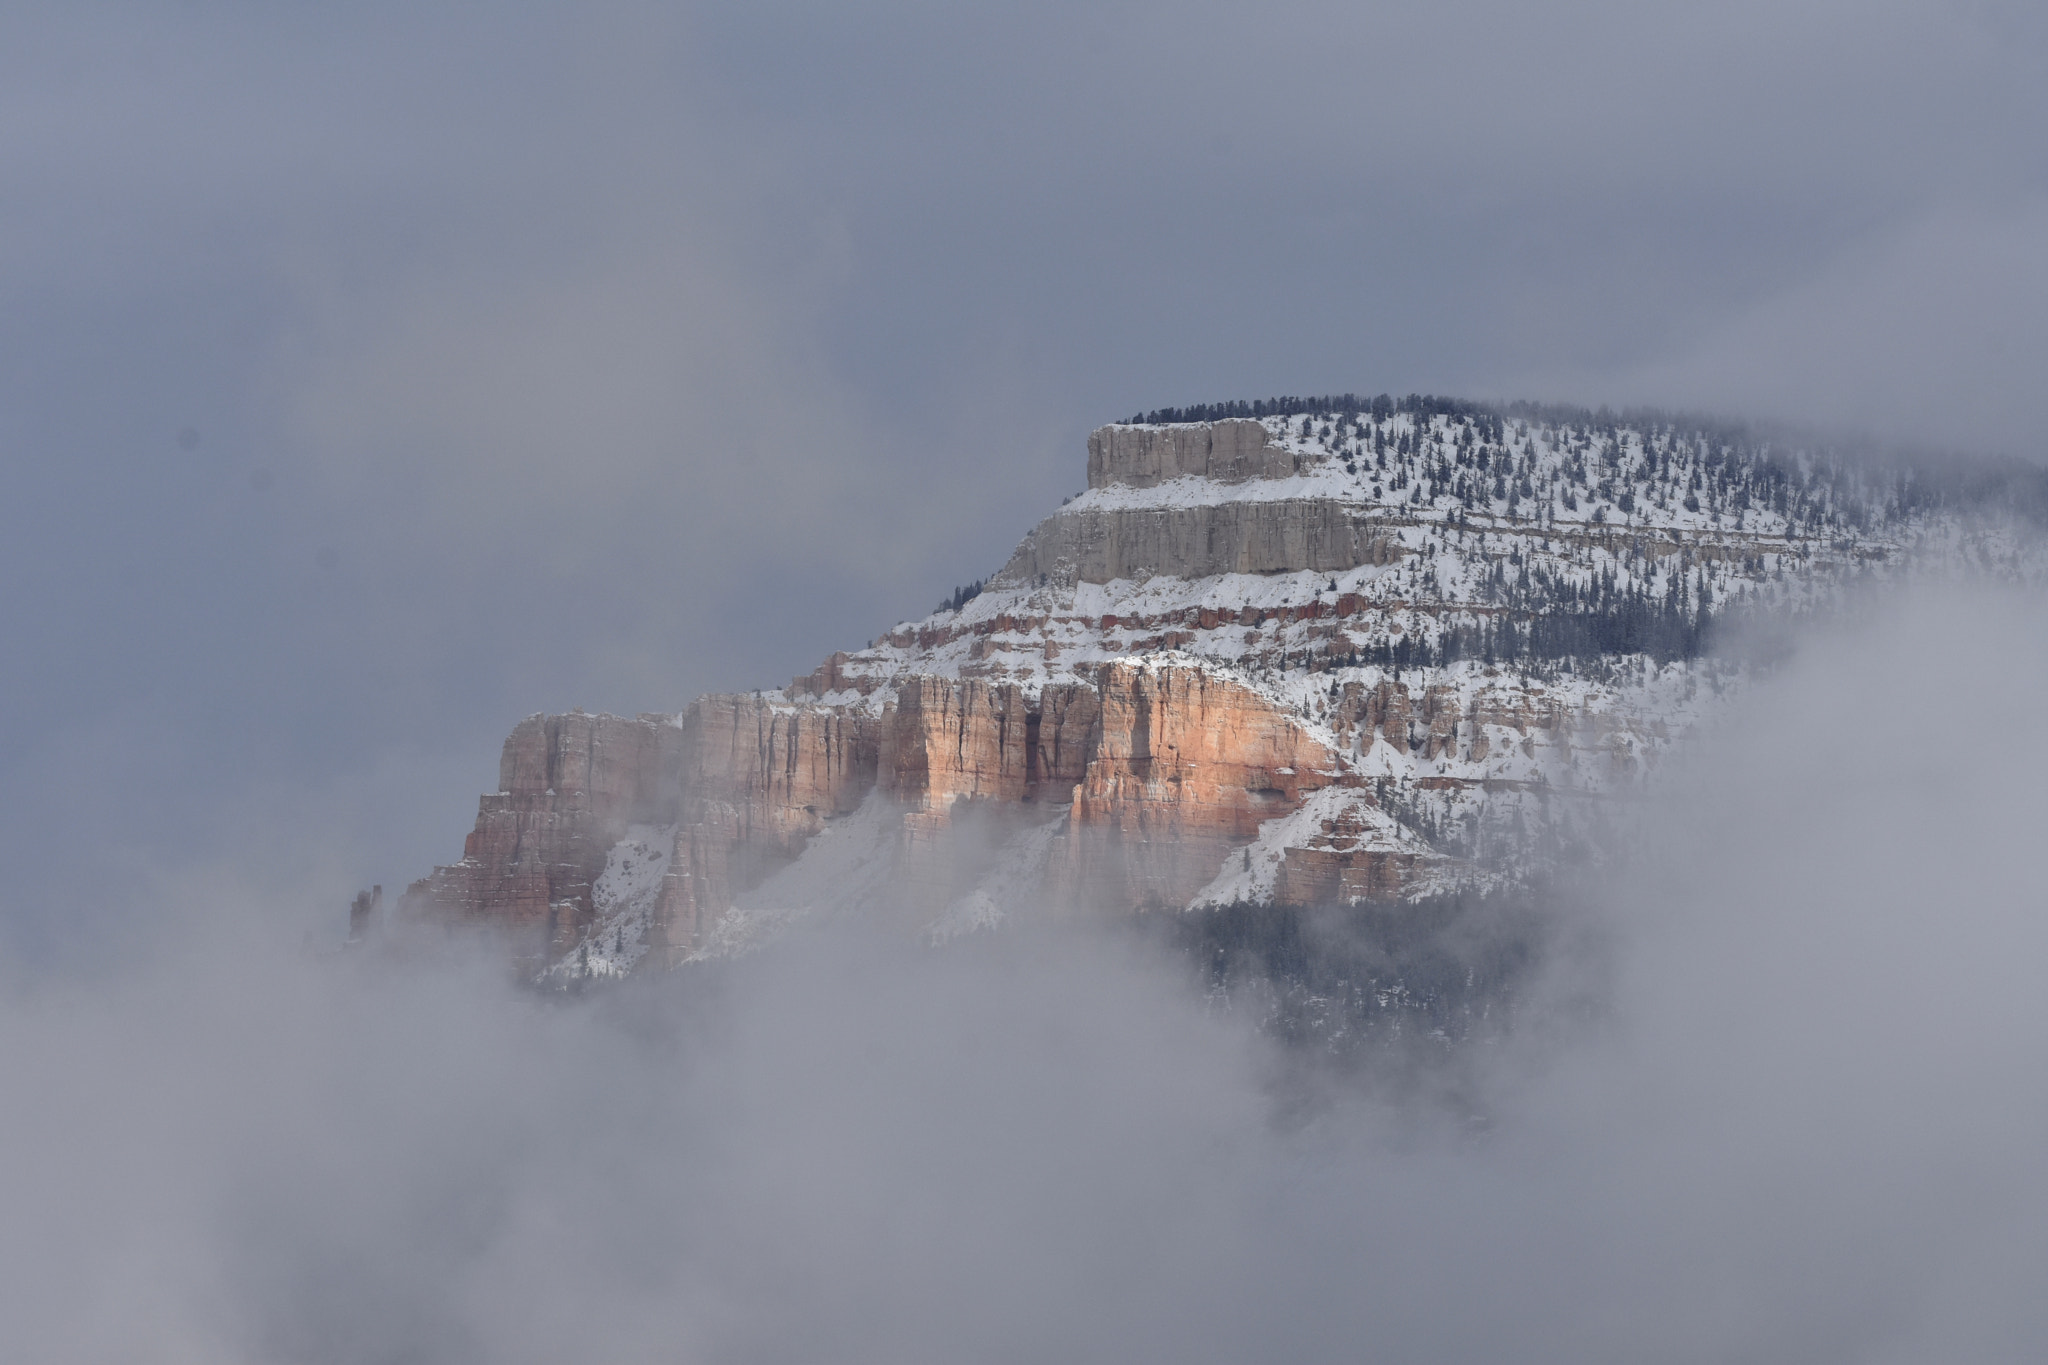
<point>1187,767</point>
<point>568,788</point>
<point>1161,771</point>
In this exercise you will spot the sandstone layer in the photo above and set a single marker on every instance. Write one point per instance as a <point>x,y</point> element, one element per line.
<point>1091,545</point>
<point>1160,773</point>
<point>568,789</point>
<point>1188,766</point>
<point>1143,456</point>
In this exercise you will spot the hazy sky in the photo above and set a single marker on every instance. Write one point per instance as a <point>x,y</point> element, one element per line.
<point>372,376</point>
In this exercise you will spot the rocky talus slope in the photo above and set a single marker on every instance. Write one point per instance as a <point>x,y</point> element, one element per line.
<point>1331,651</point>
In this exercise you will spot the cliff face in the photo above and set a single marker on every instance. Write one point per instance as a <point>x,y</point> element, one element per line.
<point>757,781</point>
<point>569,787</point>
<point>1143,456</point>
<point>1162,778</point>
<point>1347,657</point>
<point>764,776</point>
<point>1099,545</point>
<point>1160,771</point>
<point>1187,768</point>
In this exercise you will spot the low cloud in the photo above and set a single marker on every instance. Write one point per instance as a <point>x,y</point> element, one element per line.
<point>1804,1121</point>
<point>1925,332</point>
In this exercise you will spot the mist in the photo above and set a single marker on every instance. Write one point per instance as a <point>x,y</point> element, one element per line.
<point>1781,1100</point>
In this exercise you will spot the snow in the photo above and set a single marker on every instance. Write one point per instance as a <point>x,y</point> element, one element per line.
<point>1011,883</point>
<point>849,863</point>
<point>623,899</point>
<point>1565,467</point>
<point>1541,755</point>
<point>1250,874</point>
<point>852,867</point>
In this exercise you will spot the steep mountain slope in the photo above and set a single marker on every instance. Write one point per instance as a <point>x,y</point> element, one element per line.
<point>1301,652</point>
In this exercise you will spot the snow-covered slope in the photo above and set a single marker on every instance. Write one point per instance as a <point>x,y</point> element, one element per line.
<point>1359,651</point>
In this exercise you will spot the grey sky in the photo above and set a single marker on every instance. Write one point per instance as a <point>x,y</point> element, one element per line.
<point>374,376</point>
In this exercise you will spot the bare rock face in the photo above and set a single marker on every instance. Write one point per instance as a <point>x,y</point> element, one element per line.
<point>1344,861</point>
<point>743,783</point>
<point>1099,545</point>
<point>1188,767</point>
<point>1143,456</point>
<point>758,779</point>
<point>948,741</point>
<point>1160,771</point>
<point>568,789</point>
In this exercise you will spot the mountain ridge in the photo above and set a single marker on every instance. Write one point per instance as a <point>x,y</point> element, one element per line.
<point>1362,652</point>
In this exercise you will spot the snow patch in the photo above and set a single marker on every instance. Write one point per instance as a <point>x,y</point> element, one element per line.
<point>1252,873</point>
<point>850,862</point>
<point>623,900</point>
<point>1013,883</point>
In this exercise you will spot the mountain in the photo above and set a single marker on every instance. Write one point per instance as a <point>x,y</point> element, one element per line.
<point>1290,653</point>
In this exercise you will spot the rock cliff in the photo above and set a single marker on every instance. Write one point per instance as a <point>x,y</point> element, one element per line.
<point>1141,456</point>
<point>1334,655</point>
<point>569,787</point>
<point>1185,769</point>
<point>1100,545</point>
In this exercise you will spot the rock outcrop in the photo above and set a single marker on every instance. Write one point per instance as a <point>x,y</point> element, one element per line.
<point>1332,656</point>
<point>1160,770</point>
<point>1187,768</point>
<point>1098,545</point>
<point>1229,452</point>
<point>758,780</point>
<point>568,789</point>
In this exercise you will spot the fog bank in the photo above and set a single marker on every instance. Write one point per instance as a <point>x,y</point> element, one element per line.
<point>1804,1124</point>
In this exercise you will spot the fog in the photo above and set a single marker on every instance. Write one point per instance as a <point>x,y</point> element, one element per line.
<point>1780,1099</point>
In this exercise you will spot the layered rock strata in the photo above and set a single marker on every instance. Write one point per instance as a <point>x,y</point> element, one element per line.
<point>1337,656</point>
<point>1185,769</point>
<point>568,789</point>
<point>1160,771</point>
<point>1141,456</point>
<point>1100,545</point>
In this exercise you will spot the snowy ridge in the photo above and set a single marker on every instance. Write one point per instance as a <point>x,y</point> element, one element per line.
<point>1521,637</point>
<point>1497,472</point>
<point>1491,526</point>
